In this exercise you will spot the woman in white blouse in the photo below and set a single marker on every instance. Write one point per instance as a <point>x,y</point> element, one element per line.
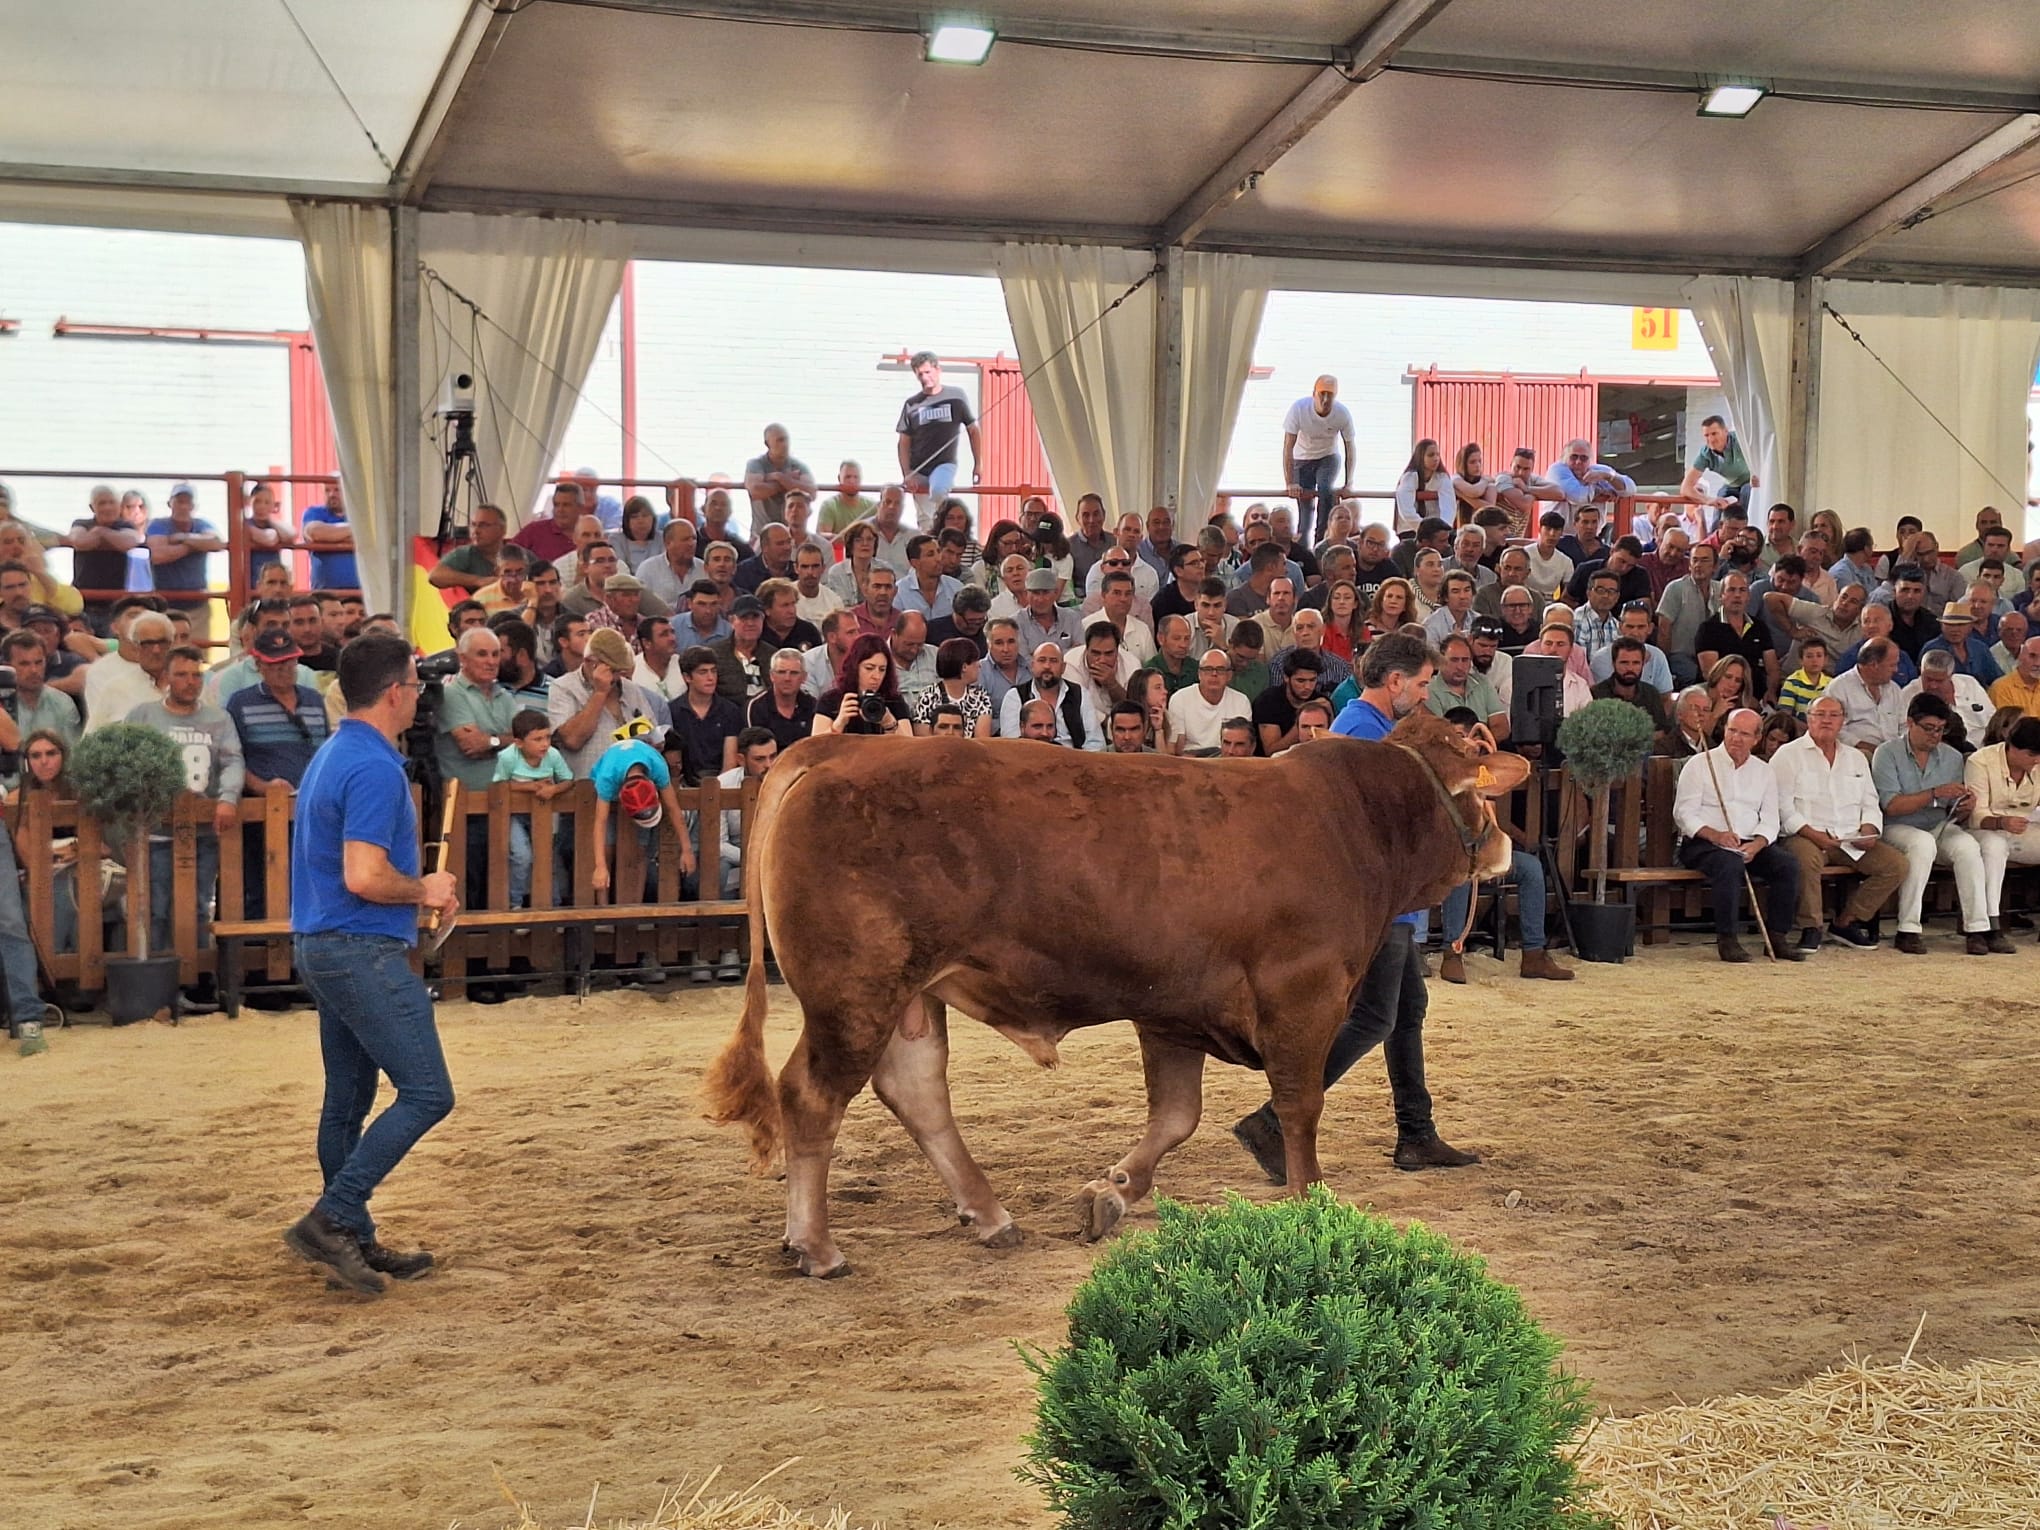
<point>1426,471</point>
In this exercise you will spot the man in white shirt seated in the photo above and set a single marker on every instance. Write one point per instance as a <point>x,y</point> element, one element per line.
<point>2004,815</point>
<point>1873,708</point>
<point>1197,712</point>
<point>1727,809</point>
<point>1550,569</point>
<point>1964,694</point>
<point>1119,605</point>
<point>1147,583</point>
<point>1077,724</point>
<point>132,674</point>
<point>1829,815</point>
<point>816,600</point>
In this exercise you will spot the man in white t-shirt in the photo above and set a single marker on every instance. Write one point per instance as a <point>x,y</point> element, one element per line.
<point>1312,433</point>
<point>816,600</point>
<point>1198,713</point>
<point>1550,569</point>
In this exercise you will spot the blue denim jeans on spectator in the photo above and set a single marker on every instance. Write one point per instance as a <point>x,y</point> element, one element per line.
<point>17,952</point>
<point>162,896</point>
<point>1528,875</point>
<point>375,1016</point>
<point>520,860</point>
<point>1320,479</point>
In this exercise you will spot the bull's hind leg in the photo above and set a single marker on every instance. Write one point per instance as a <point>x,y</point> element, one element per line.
<point>912,1078</point>
<point>1175,1092</point>
<point>812,1099</point>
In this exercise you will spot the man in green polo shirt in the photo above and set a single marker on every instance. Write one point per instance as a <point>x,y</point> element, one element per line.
<point>1722,455</point>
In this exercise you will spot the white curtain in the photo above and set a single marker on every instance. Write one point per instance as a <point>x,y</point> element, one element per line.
<point>1223,298</point>
<point>1968,353</point>
<point>1746,322</point>
<point>347,287</point>
<point>1094,403</point>
<point>548,282</point>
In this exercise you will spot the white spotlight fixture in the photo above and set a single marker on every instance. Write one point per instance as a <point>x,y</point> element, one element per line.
<point>1731,100</point>
<point>959,42</point>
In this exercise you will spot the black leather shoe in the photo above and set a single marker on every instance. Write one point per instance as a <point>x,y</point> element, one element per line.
<point>1788,953</point>
<point>2016,922</point>
<point>317,1239</point>
<point>387,1261</point>
<point>1997,945</point>
<point>1430,1151</point>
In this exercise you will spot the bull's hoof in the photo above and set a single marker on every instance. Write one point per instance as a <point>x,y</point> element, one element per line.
<point>1001,1237</point>
<point>1100,1207</point>
<point>816,1270</point>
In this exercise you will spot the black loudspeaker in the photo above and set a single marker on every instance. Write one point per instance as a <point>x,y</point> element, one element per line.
<point>1534,698</point>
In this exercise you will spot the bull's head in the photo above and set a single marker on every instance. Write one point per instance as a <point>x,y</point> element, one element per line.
<point>1469,773</point>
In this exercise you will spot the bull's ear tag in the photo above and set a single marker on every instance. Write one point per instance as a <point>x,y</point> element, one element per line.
<point>1483,778</point>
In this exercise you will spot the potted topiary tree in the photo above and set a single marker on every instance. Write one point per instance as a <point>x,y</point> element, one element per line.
<point>1302,1366</point>
<point>128,778</point>
<point>1604,742</point>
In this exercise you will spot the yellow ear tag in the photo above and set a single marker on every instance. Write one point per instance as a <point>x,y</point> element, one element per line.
<point>1483,779</point>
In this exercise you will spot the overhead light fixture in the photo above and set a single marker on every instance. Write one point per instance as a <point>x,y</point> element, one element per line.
<point>959,42</point>
<point>1731,100</point>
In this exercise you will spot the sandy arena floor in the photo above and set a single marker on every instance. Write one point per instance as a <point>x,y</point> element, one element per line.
<point>1728,1177</point>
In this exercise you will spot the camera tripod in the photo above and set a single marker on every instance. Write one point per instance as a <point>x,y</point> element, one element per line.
<point>461,480</point>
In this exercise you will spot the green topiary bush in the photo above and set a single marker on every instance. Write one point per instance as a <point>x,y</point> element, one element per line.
<point>1302,1364</point>
<point>1605,741</point>
<point>128,777</point>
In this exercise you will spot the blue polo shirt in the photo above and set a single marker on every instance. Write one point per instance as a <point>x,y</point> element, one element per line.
<point>354,789</point>
<point>331,570</point>
<point>1363,719</point>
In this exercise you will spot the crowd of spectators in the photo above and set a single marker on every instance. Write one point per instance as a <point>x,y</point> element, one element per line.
<point>1843,705</point>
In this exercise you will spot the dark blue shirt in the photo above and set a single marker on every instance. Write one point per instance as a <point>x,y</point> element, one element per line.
<point>331,570</point>
<point>1363,719</point>
<point>355,789</point>
<point>278,744</point>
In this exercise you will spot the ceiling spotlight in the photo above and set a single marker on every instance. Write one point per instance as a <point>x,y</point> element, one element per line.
<point>959,42</point>
<point>1731,100</point>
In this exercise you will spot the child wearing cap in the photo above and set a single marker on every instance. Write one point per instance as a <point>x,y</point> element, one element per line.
<point>634,775</point>
<point>530,764</point>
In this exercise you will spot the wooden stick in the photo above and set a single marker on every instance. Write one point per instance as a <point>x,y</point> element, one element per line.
<point>445,846</point>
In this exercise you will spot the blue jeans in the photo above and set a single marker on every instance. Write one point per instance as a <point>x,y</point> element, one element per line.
<point>1320,479</point>
<point>162,897</point>
<point>520,860</point>
<point>1528,875</point>
<point>374,1017</point>
<point>17,952</point>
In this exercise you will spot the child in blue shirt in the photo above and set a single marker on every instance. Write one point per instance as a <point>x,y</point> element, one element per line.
<point>530,764</point>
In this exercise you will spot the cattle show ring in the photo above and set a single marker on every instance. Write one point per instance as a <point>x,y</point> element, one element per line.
<point>1746,1246</point>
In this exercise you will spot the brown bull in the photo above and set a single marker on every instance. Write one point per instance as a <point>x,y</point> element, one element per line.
<point>893,892</point>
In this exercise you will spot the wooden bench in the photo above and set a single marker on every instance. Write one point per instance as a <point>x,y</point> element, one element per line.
<point>541,940</point>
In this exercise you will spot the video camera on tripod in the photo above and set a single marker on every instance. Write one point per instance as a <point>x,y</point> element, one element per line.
<point>461,471</point>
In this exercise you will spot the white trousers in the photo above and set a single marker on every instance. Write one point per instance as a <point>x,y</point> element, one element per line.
<point>1951,845</point>
<point>2000,850</point>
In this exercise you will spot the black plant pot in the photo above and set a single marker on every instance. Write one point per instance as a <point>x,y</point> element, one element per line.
<point>138,988</point>
<point>1605,932</point>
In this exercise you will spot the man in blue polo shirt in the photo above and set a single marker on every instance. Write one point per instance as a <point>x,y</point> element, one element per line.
<point>1389,1005</point>
<point>356,897</point>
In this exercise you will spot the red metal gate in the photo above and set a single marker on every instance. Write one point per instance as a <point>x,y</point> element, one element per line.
<point>1502,412</point>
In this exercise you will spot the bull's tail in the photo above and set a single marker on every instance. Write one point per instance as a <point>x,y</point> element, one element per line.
<point>739,1086</point>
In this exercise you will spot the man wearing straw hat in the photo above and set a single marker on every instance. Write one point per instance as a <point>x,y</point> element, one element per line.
<point>356,897</point>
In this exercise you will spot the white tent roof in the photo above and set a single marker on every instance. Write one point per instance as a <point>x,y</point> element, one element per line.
<point>1900,140</point>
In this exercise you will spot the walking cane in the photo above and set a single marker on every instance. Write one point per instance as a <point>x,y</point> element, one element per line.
<point>444,848</point>
<point>1750,887</point>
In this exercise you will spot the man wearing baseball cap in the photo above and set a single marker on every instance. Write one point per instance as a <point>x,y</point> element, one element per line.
<point>633,775</point>
<point>178,544</point>
<point>1042,620</point>
<point>281,723</point>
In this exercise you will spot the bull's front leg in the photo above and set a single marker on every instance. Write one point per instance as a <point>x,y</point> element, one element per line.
<point>1175,1093</point>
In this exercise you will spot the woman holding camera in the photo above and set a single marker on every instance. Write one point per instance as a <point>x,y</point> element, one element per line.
<point>866,696</point>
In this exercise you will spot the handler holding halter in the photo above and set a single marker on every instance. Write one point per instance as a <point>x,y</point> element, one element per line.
<point>356,897</point>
